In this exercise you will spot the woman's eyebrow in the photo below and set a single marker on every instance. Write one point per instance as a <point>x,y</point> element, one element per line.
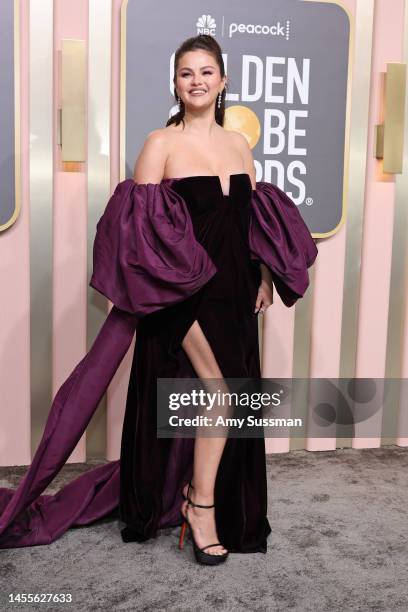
<point>202,68</point>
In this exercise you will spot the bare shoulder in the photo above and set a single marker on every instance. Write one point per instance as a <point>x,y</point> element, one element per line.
<point>242,144</point>
<point>149,166</point>
<point>238,139</point>
<point>163,134</point>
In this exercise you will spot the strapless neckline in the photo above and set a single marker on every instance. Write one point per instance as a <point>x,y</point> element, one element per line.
<point>210,176</point>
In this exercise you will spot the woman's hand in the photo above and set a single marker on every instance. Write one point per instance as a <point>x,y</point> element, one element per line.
<point>265,291</point>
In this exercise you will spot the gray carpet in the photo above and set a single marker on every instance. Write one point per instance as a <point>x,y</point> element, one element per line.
<point>339,541</point>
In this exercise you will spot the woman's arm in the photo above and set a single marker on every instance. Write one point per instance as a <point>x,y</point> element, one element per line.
<point>265,291</point>
<point>150,164</point>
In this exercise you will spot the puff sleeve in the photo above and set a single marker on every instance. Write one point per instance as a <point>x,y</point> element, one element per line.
<point>145,254</point>
<point>280,238</point>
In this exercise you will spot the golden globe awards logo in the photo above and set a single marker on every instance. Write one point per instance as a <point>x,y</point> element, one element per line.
<point>206,25</point>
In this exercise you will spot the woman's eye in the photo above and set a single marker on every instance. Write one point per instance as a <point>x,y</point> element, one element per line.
<point>205,72</point>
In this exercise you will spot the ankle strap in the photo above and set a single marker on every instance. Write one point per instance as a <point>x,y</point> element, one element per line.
<point>191,503</point>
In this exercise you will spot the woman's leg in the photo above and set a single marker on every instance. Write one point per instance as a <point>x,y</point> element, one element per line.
<point>207,451</point>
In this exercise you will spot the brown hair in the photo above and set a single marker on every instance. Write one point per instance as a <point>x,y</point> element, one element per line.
<point>209,44</point>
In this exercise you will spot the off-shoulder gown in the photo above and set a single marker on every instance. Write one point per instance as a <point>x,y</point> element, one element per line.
<point>167,255</point>
<point>153,471</point>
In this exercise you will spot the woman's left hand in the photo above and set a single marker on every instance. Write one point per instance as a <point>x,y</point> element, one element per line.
<point>265,291</point>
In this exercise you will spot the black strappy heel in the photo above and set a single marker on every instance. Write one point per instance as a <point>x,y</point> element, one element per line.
<point>201,556</point>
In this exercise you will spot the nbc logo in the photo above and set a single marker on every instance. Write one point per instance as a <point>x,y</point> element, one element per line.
<point>206,25</point>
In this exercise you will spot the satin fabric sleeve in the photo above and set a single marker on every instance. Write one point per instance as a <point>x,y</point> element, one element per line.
<point>145,254</point>
<point>280,239</point>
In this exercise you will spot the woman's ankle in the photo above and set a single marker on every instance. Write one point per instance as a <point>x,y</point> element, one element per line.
<point>205,499</point>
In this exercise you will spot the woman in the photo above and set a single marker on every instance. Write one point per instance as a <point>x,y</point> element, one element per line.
<point>188,252</point>
<point>195,145</point>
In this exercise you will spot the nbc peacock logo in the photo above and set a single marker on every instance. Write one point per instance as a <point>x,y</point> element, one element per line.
<point>206,25</point>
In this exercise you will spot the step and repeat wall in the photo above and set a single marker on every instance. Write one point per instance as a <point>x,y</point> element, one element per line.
<point>317,88</point>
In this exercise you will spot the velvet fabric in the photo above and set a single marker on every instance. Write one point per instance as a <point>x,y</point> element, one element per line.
<point>166,255</point>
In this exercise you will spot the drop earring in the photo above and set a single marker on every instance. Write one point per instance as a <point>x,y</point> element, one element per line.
<point>219,100</point>
<point>178,103</point>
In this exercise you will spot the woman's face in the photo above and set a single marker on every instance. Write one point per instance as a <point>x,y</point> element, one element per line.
<point>198,70</point>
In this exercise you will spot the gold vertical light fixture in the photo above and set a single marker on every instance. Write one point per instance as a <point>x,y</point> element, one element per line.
<point>71,125</point>
<point>389,135</point>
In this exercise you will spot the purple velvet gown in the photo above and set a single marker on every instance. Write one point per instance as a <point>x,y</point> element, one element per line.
<point>167,255</point>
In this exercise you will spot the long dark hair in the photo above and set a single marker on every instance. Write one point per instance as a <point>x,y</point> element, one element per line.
<point>209,44</point>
